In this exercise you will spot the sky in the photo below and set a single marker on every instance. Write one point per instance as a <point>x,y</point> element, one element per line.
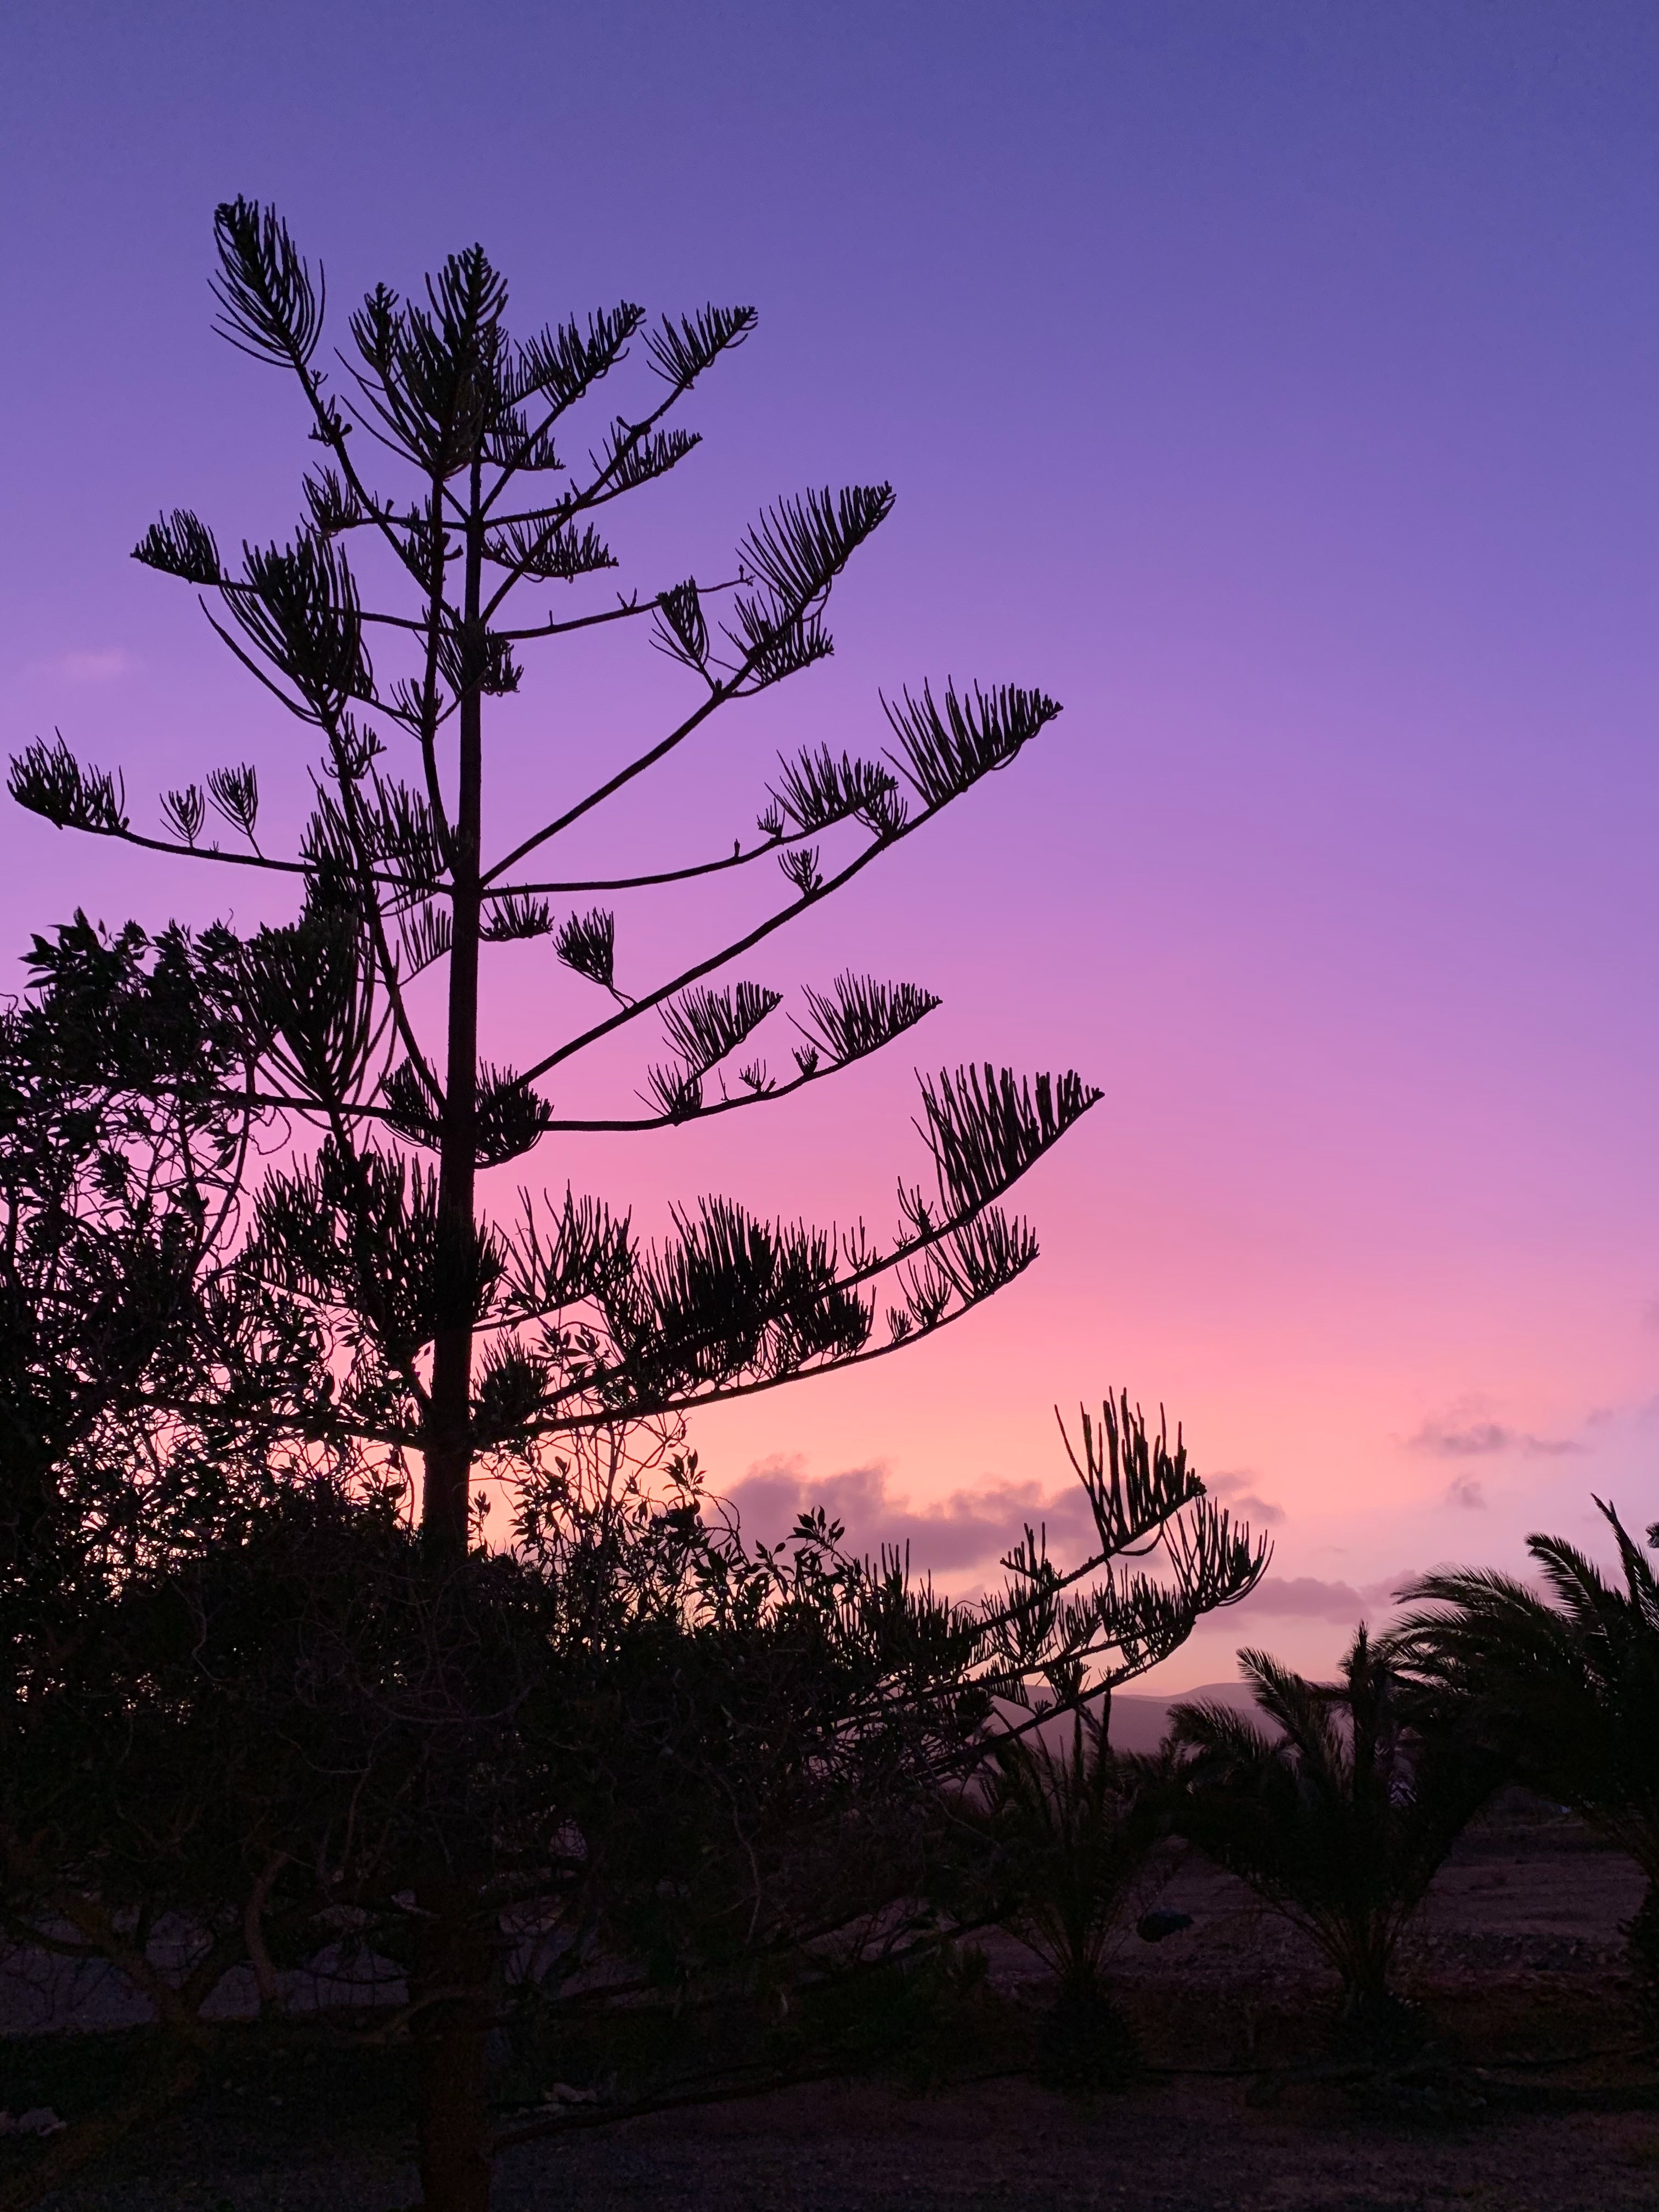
<point>1272,384</point>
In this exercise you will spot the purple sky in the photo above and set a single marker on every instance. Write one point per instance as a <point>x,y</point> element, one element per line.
<point>1276,385</point>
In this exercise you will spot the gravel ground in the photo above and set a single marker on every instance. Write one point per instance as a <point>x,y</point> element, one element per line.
<point>1543,2096</point>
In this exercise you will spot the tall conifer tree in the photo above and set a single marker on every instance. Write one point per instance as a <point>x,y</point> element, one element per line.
<point>368,1303</point>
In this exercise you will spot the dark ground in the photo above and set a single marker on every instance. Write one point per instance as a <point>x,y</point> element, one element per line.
<point>1538,2092</point>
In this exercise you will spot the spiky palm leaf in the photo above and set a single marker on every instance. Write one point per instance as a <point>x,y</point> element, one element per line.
<point>1076,1824</point>
<point>1342,1817</point>
<point>1566,1686</point>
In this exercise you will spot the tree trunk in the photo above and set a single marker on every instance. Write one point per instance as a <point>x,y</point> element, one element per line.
<point>452,1987</point>
<point>448,1454</point>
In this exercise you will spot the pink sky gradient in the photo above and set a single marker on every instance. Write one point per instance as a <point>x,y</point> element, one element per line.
<point>1276,387</point>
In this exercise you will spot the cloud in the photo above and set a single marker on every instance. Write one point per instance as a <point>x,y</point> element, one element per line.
<point>1236,1490</point>
<point>1457,1436</point>
<point>1306,1597</point>
<point>103,667</point>
<point>973,1527</point>
<point>1472,1440</point>
<point>1465,1490</point>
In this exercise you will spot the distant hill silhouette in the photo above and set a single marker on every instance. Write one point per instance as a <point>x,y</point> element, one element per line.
<point>1139,1722</point>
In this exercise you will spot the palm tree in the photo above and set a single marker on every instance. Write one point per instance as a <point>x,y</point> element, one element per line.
<point>1342,1820</point>
<point>1075,1826</point>
<point>1567,1691</point>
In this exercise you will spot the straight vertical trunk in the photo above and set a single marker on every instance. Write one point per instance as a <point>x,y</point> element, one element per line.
<point>448,1454</point>
<point>452,1980</point>
<point>450,1987</point>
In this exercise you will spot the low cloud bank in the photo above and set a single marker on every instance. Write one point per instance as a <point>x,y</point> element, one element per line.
<point>972,1526</point>
<point>1305,1597</point>
<point>1453,1438</point>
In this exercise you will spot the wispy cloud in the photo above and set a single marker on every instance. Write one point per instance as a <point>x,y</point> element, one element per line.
<point>1308,1597</point>
<point>101,667</point>
<point>1466,1490</point>
<point>1463,1435</point>
<point>1237,1490</point>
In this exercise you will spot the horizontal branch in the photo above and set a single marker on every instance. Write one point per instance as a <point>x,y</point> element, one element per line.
<point>732,952</point>
<point>718,696</point>
<point>552,628</point>
<point>733,859</point>
<point>647,1409</point>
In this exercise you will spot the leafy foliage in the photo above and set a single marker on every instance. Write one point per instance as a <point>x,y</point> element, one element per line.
<point>1564,1687</point>
<point>121,1146</point>
<point>1340,1820</point>
<point>1077,1823</point>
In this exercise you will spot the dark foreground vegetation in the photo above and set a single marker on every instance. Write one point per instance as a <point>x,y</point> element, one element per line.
<point>1537,2085</point>
<point>273,1345</point>
<point>422,1850</point>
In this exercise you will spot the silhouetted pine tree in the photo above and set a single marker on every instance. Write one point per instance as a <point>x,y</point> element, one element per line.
<point>367,1305</point>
